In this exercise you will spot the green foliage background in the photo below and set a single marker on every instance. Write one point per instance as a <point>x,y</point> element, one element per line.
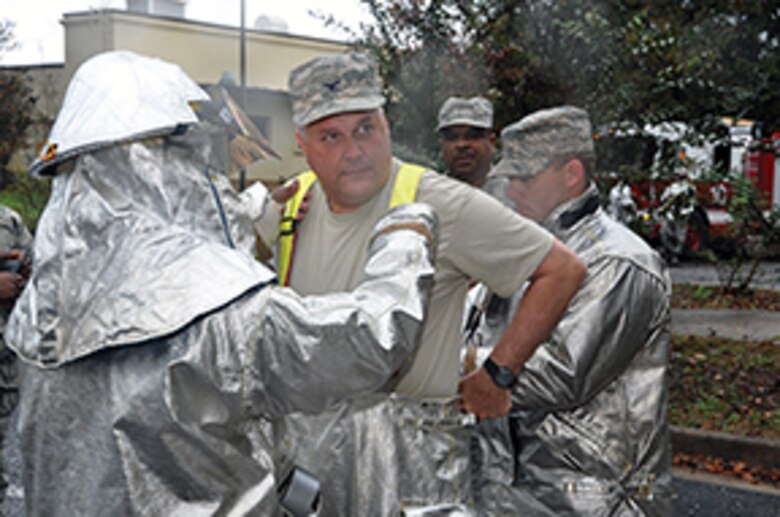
<point>629,62</point>
<point>18,113</point>
<point>633,62</point>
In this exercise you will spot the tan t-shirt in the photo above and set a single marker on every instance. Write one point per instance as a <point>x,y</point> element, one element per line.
<point>478,238</point>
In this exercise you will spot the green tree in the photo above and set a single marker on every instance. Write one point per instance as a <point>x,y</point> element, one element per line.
<point>16,108</point>
<point>422,57</point>
<point>632,62</point>
<point>18,117</point>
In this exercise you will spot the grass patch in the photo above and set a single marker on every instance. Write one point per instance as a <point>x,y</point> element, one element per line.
<point>725,385</point>
<point>28,196</point>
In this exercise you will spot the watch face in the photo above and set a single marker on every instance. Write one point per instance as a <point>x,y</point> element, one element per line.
<point>502,376</point>
<point>506,378</point>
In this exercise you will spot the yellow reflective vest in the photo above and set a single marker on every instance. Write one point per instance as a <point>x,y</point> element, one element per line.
<point>404,192</point>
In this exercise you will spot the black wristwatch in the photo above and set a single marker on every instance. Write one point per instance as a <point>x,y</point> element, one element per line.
<point>502,376</point>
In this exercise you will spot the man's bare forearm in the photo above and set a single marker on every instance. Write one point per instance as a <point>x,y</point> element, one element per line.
<point>551,288</point>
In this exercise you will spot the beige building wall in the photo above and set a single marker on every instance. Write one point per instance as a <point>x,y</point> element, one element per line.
<point>207,52</point>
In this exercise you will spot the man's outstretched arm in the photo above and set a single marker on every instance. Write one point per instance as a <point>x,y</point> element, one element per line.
<point>316,350</point>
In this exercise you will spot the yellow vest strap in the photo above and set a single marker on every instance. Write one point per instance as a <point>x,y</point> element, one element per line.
<point>404,192</point>
<point>406,182</point>
<point>287,225</point>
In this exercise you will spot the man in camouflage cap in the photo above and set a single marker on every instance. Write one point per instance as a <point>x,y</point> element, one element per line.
<point>370,460</point>
<point>466,138</point>
<point>532,142</point>
<point>334,84</point>
<point>602,371</point>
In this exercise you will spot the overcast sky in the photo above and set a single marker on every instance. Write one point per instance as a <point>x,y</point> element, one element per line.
<point>40,37</point>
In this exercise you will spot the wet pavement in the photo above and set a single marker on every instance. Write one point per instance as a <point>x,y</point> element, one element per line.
<point>697,495</point>
<point>743,325</point>
<point>733,324</point>
<point>766,277</point>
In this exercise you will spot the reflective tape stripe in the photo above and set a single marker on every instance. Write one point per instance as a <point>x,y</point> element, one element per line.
<point>406,183</point>
<point>287,226</point>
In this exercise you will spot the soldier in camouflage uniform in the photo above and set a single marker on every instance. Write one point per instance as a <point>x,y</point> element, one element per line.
<point>14,236</point>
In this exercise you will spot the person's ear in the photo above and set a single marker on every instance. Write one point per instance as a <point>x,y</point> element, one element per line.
<point>492,139</point>
<point>301,141</point>
<point>574,173</point>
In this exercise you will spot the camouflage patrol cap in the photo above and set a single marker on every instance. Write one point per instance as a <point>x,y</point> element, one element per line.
<point>531,144</point>
<point>457,111</point>
<point>329,85</point>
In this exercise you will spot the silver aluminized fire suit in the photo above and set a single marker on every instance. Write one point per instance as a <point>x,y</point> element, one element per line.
<point>149,344</point>
<point>589,431</point>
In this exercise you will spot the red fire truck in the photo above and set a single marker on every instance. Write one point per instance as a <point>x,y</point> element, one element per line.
<point>674,200</point>
<point>761,164</point>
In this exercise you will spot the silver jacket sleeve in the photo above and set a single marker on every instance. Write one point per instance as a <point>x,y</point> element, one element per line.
<point>597,338</point>
<point>328,347</point>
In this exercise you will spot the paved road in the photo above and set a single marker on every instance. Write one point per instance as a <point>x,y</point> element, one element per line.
<point>699,496</point>
<point>767,276</point>
<point>746,325</point>
<point>752,325</point>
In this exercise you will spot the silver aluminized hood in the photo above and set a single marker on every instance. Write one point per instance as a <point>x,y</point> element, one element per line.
<point>159,210</point>
<point>117,96</point>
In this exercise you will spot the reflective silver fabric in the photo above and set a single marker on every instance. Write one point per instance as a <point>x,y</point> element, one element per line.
<point>117,96</point>
<point>130,215</point>
<point>148,344</point>
<point>161,427</point>
<point>589,426</point>
<point>367,454</point>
